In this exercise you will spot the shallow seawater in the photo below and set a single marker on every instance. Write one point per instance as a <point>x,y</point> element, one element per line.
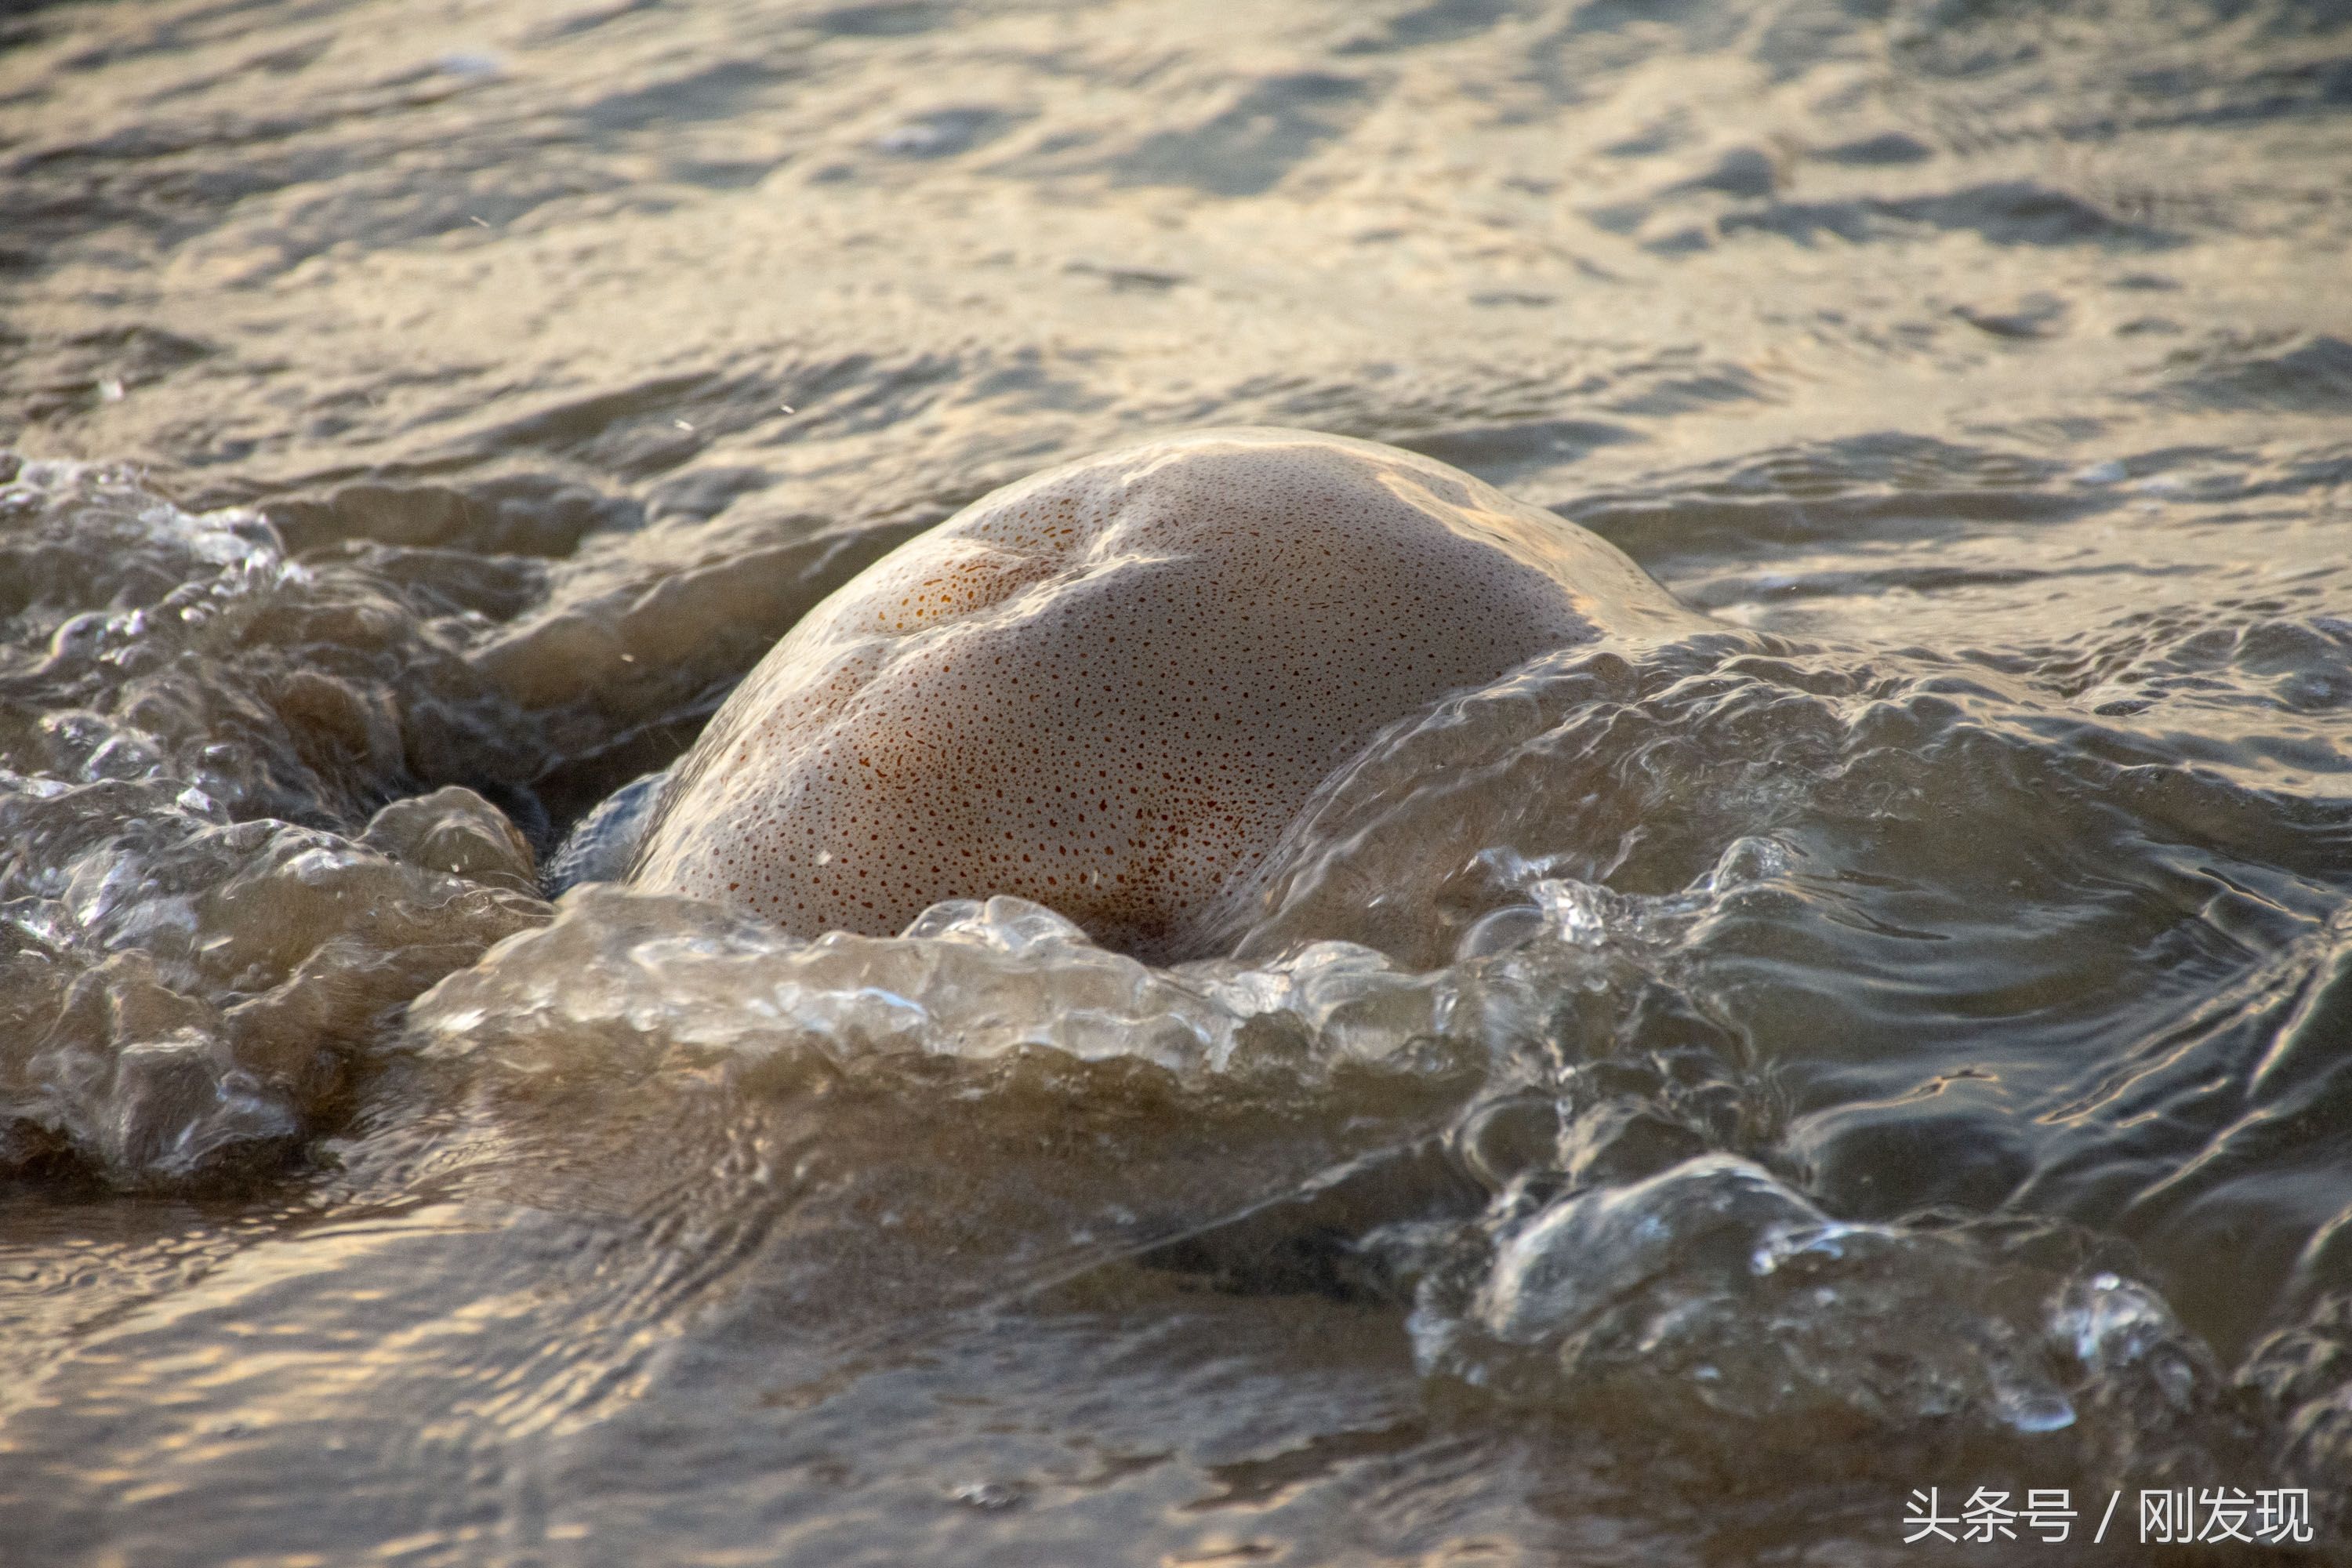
<point>1669,1104</point>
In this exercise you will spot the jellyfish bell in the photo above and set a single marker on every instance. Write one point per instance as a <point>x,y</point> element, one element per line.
<point>1110,687</point>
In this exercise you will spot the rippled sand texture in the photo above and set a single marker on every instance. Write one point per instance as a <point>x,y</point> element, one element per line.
<point>1666,1104</point>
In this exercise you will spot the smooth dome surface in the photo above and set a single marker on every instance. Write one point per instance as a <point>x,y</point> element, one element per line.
<point>1110,686</point>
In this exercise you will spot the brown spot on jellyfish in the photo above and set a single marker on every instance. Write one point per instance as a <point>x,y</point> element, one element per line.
<point>1110,687</point>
